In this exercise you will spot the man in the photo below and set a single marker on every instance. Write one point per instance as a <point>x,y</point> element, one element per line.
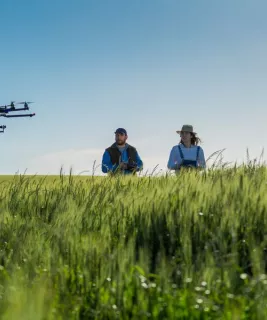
<point>120,157</point>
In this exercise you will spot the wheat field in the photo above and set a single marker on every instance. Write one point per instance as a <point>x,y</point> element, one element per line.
<point>192,246</point>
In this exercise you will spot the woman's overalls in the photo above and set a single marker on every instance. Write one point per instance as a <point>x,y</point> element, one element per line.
<point>188,163</point>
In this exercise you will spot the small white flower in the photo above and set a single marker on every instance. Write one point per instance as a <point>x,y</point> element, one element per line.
<point>188,280</point>
<point>203,283</point>
<point>215,308</point>
<point>207,292</point>
<point>253,282</point>
<point>199,301</point>
<point>201,213</point>
<point>108,279</point>
<point>262,277</point>
<point>243,276</point>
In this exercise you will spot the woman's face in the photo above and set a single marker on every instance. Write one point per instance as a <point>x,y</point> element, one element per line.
<point>186,137</point>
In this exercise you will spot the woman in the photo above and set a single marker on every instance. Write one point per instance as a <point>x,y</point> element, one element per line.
<point>187,153</point>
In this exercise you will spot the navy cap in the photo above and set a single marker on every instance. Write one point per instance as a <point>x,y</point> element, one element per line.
<point>121,130</point>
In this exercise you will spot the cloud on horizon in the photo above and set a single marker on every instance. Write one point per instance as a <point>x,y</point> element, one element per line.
<point>83,161</point>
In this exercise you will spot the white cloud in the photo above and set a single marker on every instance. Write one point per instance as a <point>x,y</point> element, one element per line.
<point>79,160</point>
<point>83,161</point>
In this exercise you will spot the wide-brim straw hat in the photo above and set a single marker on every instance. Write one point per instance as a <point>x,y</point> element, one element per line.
<point>186,128</point>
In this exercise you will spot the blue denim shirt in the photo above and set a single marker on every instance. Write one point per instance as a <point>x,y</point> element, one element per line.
<point>175,159</point>
<point>107,165</point>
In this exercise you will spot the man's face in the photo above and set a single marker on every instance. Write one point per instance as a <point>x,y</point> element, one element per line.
<point>120,138</point>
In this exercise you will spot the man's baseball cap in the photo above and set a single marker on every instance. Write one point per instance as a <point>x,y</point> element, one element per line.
<point>121,131</point>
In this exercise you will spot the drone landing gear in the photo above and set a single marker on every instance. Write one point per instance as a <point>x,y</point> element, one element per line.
<point>2,129</point>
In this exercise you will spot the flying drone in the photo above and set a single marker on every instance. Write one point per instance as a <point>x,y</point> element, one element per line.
<point>7,109</point>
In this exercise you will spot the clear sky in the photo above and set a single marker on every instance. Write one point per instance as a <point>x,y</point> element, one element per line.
<point>150,66</point>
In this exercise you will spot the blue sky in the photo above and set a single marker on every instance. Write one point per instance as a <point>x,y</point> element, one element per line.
<point>146,65</point>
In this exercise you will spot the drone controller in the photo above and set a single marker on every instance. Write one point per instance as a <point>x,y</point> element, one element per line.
<point>131,166</point>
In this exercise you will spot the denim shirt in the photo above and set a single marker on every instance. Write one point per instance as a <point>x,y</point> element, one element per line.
<point>175,159</point>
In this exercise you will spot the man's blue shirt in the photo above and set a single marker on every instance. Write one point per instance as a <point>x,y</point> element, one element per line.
<point>107,165</point>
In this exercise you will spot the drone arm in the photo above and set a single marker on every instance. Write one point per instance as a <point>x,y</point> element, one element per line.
<point>17,115</point>
<point>18,109</point>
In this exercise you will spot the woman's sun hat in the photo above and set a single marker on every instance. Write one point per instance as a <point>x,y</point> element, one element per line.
<point>186,128</point>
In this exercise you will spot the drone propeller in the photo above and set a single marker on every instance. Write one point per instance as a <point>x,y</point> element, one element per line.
<point>12,105</point>
<point>25,103</point>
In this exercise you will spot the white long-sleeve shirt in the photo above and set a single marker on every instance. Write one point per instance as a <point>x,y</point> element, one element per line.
<point>175,159</point>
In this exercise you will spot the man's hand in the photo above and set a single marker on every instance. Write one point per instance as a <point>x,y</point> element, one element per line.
<point>123,166</point>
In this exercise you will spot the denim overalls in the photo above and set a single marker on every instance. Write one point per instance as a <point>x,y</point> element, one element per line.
<point>188,163</point>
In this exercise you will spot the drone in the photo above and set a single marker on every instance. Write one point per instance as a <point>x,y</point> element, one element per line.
<point>7,109</point>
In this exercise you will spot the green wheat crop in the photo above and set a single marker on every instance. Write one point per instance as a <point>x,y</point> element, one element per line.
<point>192,246</point>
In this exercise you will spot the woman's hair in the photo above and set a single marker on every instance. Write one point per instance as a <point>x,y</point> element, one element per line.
<point>194,139</point>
